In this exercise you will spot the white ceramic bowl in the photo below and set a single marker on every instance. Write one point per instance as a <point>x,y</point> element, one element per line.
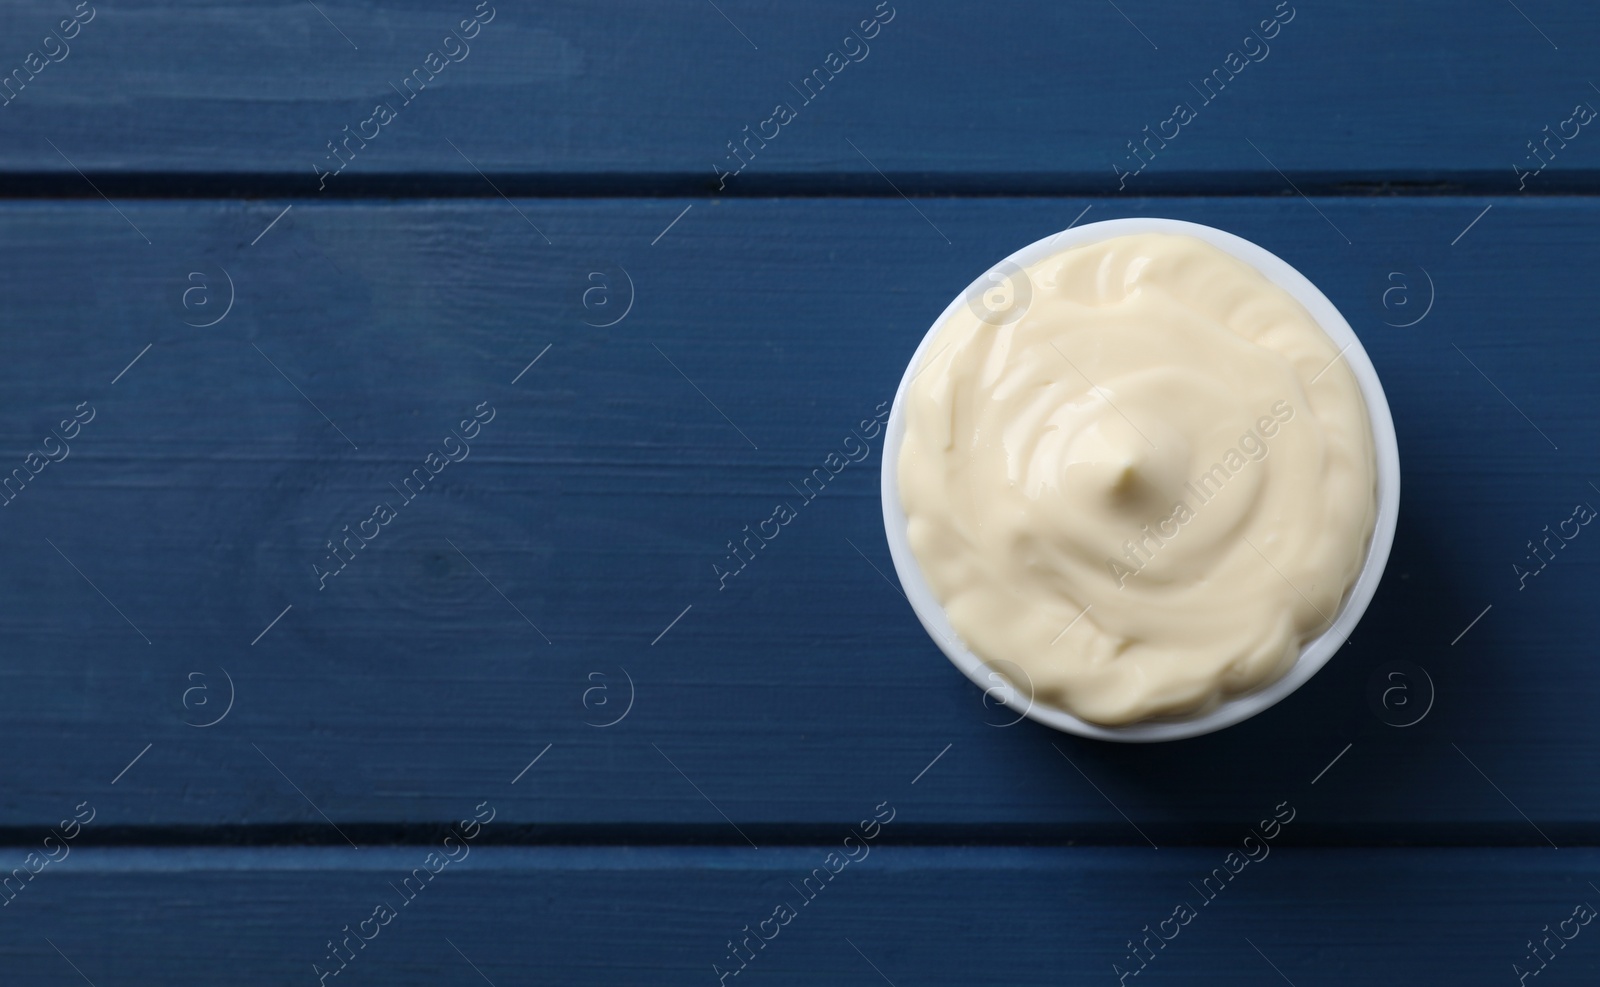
<point>1315,653</point>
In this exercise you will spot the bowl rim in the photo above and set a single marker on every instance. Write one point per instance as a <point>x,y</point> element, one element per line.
<point>1316,652</point>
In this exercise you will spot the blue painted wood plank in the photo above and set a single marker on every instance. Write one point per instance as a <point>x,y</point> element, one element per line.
<point>632,95</point>
<point>936,915</point>
<point>504,611</point>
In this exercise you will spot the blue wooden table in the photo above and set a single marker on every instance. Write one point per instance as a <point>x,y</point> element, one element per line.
<point>544,305</point>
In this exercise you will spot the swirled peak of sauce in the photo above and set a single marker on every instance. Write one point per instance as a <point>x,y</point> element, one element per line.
<point>1138,475</point>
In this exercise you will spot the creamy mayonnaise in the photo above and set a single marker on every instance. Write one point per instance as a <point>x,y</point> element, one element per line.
<point>1140,473</point>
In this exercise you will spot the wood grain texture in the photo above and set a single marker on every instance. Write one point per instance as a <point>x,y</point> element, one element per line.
<point>636,95</point>
<point>236,343</point>
<point>951,915</point>
<point>592,508</point>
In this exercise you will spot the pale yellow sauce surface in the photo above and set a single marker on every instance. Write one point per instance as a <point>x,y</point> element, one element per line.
<point>1147,492</point>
